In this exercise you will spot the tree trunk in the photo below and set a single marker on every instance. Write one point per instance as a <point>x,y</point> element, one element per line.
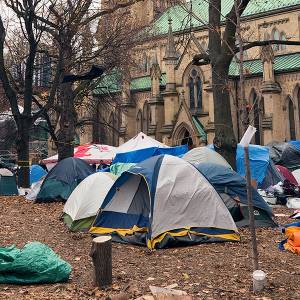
<point>225,140</point>
<point>22,145</point>
<point>102,260</point>
<point>68,120</point>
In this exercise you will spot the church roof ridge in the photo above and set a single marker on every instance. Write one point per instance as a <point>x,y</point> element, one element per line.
<point>200,8</point>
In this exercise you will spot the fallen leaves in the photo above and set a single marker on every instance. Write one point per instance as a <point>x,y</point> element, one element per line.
<point>207,271</point>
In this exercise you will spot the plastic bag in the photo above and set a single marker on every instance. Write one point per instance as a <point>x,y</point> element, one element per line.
<point>34,263</point>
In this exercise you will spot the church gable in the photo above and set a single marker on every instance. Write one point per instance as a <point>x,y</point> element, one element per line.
<point>187,129</point>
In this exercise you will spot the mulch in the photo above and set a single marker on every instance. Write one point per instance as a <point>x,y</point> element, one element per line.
<point>207,271</point>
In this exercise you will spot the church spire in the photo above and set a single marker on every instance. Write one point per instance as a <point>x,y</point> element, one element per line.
<point>170,48</point>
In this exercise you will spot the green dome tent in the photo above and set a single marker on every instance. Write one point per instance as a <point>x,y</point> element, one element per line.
<point>63,179</point>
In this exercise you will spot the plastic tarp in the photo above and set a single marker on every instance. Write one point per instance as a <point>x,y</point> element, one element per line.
<point>228,181</point>
<point>142,154</point>
<point>91,153</point>
<point>296,144</point>
<point>259,161</point>
<point>34,263</point>
<point>140,141</point>
<point>34,190</point>
<point>272,177</point>
<point>286,154</point>
<point>287,174</point>
<point>36,173</point>
<point>119,168</point>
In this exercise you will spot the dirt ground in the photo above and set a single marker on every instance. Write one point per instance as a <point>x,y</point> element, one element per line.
<point>207,271</point>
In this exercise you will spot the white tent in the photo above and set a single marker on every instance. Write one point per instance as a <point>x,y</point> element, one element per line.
<point>140,141</point>
<point>91,153</point>
<point>84,202</point>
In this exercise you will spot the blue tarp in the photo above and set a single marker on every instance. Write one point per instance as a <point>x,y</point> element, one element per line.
<point>227,181</point>
<point>296,144</point>
<point>259,161</point>
<point>143,154</point>
<point>36,173</point>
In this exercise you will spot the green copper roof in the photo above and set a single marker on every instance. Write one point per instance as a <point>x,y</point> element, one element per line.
<point>200,128</point>
<point>110,84</point>
<point>282,63</point>
<point>200,9</point>
<point>143,83</point>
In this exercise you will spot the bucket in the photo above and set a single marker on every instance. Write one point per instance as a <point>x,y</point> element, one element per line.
<point>259,280</point>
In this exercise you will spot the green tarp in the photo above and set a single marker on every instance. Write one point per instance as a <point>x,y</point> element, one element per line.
<point>34,263</point>
<point>119,168</point>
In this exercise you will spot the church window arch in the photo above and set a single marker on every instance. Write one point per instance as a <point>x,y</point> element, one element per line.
<point>195,89</point>
<point>257,114</point>
<point>275,36</point>
<point>111,131</point>
<point>266,36</point>
<point>146,117</point>
<point>291,119</point>
<point>139,121</point>
<point>282,38</point>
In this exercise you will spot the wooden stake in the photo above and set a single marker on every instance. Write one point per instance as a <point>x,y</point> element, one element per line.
<point>251,211</point>
<point>102,260</point>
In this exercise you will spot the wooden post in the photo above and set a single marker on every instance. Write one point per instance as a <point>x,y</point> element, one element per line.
<point>251,211</point>
<point>102,260</point>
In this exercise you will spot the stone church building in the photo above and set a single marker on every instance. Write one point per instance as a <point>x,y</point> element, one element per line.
<point>171,100</point>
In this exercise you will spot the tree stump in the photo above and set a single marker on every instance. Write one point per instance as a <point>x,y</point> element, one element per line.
<point>102,260</point>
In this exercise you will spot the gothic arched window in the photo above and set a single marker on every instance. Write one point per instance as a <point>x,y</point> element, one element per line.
<point>192,93</point>
<point>292,125</point>
<point>111,130</point>
<point>195,90</point>
<point>283,38</point>
<point>275,36</point>
<point>139,122</point>
<point>266,36</point>
<point>199,93</point>
<point>146,119</point>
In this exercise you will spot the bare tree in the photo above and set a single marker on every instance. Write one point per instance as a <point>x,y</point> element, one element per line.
<point>222,49</point>
<point>62,29</point>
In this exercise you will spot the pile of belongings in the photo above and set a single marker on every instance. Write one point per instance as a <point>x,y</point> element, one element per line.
<point>34,263</point>
<point>296,214</point>
<point>292,242</point>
